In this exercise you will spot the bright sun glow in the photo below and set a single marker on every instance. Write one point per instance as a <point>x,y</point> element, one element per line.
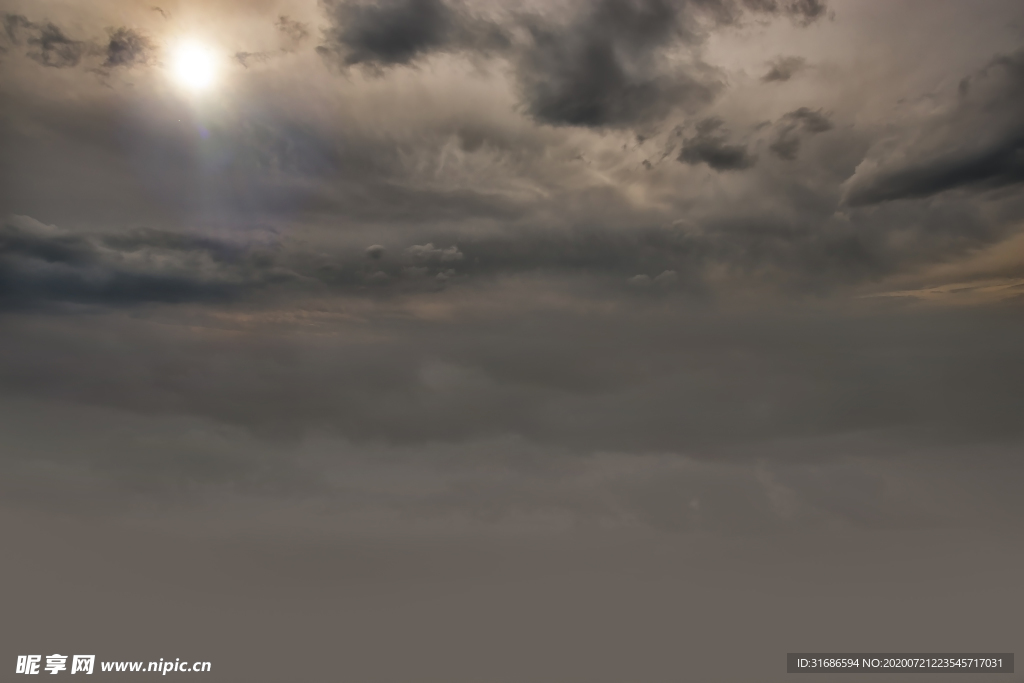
<point>194,66</point>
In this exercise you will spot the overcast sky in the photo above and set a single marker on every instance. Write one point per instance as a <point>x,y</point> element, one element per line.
<point>524,342</point>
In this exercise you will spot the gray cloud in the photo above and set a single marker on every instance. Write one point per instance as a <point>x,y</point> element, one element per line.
<point>395,32</point>
<point>606,66</point>
<point>806,11</point>
<point>810,121</point>
<point>14,24</point>
<point>978,144</point>
<point>46,43</point>
<point>127,48</point>
<point>43,265</point>
<point>784,68</point>
<point>709,145</point>
<point>246,58</point>
<point>293,32</point>
<point>787,137</point>
<point>39,263</point>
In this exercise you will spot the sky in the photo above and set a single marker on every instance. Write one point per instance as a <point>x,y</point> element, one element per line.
<point>439,340</point>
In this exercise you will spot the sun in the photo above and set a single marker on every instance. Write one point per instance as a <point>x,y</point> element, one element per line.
<point>194,66</point>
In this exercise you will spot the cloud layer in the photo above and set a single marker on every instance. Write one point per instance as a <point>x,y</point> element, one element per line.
<point>701,269</point>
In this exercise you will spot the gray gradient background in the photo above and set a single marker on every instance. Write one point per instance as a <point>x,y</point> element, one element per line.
<point>623,340</point>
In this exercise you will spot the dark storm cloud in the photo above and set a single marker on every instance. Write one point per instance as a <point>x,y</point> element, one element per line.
<point>810,121</point>
<point>709,145</point>
<point>979,145</point>
<point>603,68</point>
<point>46,43</point>
<point>395,32</point>
<point>787,137</point>
<point>128,47</point>
<point>985,169</point>
<point>606,66</point>
<point>41,264</point>
<point>49,45</point>
<point>390,33</point>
